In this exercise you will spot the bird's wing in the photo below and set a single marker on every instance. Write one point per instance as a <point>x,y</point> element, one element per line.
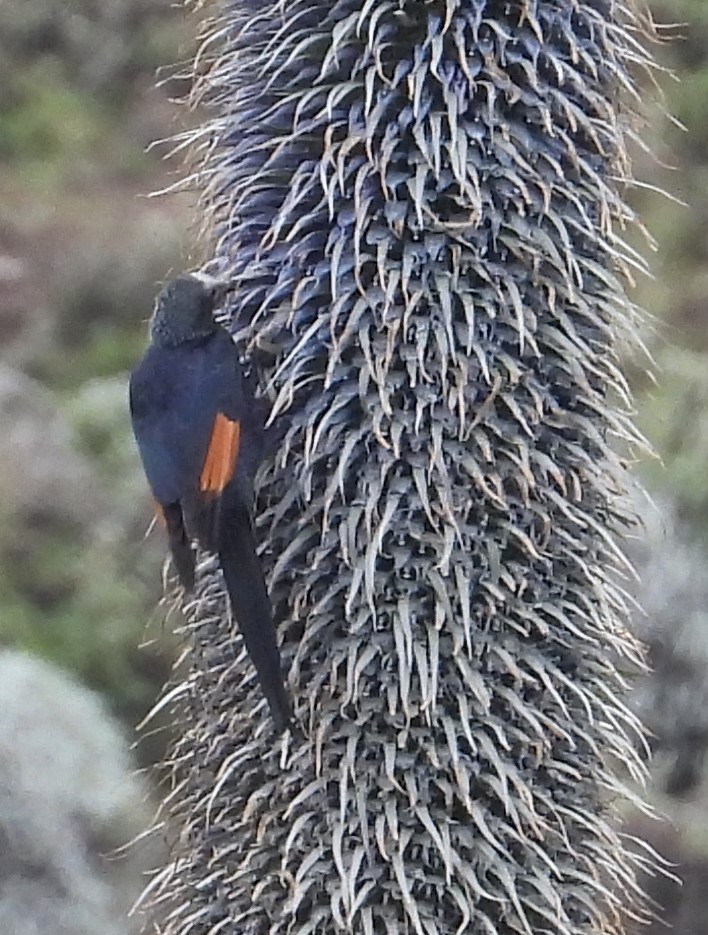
<point>221,456</point>
<point>173,406</point>
<point>195,429</point>
<point>204,505</point>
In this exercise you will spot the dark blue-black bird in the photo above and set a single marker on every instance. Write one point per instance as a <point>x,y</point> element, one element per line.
<point>200,432</point>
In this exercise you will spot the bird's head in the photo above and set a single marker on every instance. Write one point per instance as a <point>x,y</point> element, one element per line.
<point>184,308</point>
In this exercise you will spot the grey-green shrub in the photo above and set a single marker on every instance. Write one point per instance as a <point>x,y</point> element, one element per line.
<point>68,801</point>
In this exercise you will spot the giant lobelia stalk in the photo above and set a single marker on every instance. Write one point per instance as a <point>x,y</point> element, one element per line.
<point>421,201</point>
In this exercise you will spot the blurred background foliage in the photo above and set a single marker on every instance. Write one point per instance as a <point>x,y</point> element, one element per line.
<point>82,250</point>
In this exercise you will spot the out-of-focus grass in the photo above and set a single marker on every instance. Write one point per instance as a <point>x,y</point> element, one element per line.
<point>45,120</point>
<point>672,411</point>
<point>674,414</point>
<point>82,250</point>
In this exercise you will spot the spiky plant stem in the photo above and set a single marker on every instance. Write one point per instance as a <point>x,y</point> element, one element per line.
<point>421,202</point>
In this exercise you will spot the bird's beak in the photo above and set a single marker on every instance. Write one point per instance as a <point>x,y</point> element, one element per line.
<point>219,288</point>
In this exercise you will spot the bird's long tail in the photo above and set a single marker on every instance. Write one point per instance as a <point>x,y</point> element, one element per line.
<point>180,547</point>
<point>251,607</point>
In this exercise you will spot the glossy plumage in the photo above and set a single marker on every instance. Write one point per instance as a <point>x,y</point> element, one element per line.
<point>200,438</point>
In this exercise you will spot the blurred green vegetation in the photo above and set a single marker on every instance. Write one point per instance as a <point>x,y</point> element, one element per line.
<point>82,249</point>
<point>72,74</point>
<point>673,413</point>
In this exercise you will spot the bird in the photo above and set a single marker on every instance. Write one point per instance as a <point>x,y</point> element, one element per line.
<point>200,433</point>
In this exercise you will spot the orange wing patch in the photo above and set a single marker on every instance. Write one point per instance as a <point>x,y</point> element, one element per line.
<point>221,456</point>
